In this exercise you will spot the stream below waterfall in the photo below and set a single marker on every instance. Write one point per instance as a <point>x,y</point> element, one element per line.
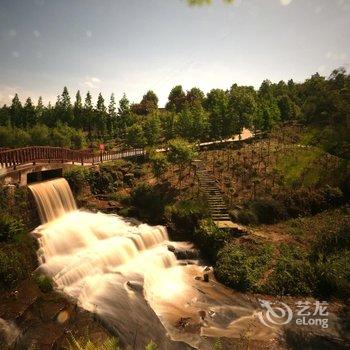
<point>125,273</point>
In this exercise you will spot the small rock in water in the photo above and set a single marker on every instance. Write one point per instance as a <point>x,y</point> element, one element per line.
<point>136,286</point>
<point>206,277</point>
<point>183,322</point>
<point>171,248</point>
<point>198,278</point>
<point>183,263</point>
<point>207,269</point>
<point>202,314</point>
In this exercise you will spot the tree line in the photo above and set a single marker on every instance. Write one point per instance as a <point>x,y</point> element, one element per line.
<point>191,115</point>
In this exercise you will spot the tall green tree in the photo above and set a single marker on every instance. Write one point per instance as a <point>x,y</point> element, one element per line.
<point>112,117</point>
<point>152,129</point>
<point>217,103</point>
<point>78,111</point>
<point>169,122</point>
<point>101,116</point>
<point>242,109</point>
<point>88,114</point>
<point>135,136</point>
<point>176,99</point>
<point>124,116</point>
<point>29,116</point>
<point>148,104</point>
<point>195,95</point>
<point>64,109</point>
<point>40,110</point>
<point>16,112</point>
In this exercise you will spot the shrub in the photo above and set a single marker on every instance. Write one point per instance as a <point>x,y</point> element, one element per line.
<point>44,283</point>
<point>247,217</point>
<point>149,202</point>
<point>77,178</point>
<point>86,344</point>
<point>159,164</point>
<point>292,275</point>
<point>101,182</point>
<point>210,239</point>
<point>12,268</point>
<point>185,215</point>
<point>332,275</point>
<point>151,346</point>
<point>268,210</point>
<point>242,267</point>
<point>10,228</point>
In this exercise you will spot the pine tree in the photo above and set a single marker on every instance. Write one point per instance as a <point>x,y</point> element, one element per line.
<point>101,116</point>
<point>29,116</point>
<point>78,111</point>
<point>112,117</point>
<point>124,118</point>
<point>39,110</point>
<point>16,112</point>
<point>66,107</point>
<point>88,114</point>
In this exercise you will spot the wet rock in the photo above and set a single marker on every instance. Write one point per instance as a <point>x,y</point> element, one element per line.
<point>183,322</point>
<point>187,254</point>
<point>114,204</point>
<point>171,248</point>
<point>207,269</point>
<point>135,286</point>
<point>202,314</point>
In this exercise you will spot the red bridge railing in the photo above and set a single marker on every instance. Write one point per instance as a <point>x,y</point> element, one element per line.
<point>11,158</point>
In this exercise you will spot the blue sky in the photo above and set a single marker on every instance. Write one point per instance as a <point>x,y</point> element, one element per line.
<point>134,45</point>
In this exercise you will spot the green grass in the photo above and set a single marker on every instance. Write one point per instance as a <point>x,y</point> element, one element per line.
<point>301,168</point>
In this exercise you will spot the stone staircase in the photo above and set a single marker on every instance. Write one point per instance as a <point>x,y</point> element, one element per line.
<point>209,188</point>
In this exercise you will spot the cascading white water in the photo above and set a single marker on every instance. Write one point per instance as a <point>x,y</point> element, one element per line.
<point>124,272</point>
<point>101,259</point>
<point>54,198</point>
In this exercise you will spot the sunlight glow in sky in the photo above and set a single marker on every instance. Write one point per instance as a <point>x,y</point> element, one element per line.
<point>134,45</point>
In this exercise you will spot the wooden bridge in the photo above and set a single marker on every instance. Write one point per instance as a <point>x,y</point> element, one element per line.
<point>12,158</point>
<point>30,164</point>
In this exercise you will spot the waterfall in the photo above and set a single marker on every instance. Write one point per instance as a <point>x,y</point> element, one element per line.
<point>111,266</point>
<point>54,198</point>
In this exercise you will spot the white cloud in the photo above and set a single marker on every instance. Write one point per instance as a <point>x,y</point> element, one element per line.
<point>15,54</point>
<point>91,82</point>
<point>336,56</point>
<point>285,2</point>
<point>88,33</point>
<point>36,33</point>
<point>12,33</point>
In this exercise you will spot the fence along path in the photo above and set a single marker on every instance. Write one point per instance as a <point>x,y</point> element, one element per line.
<point>11,158</point>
